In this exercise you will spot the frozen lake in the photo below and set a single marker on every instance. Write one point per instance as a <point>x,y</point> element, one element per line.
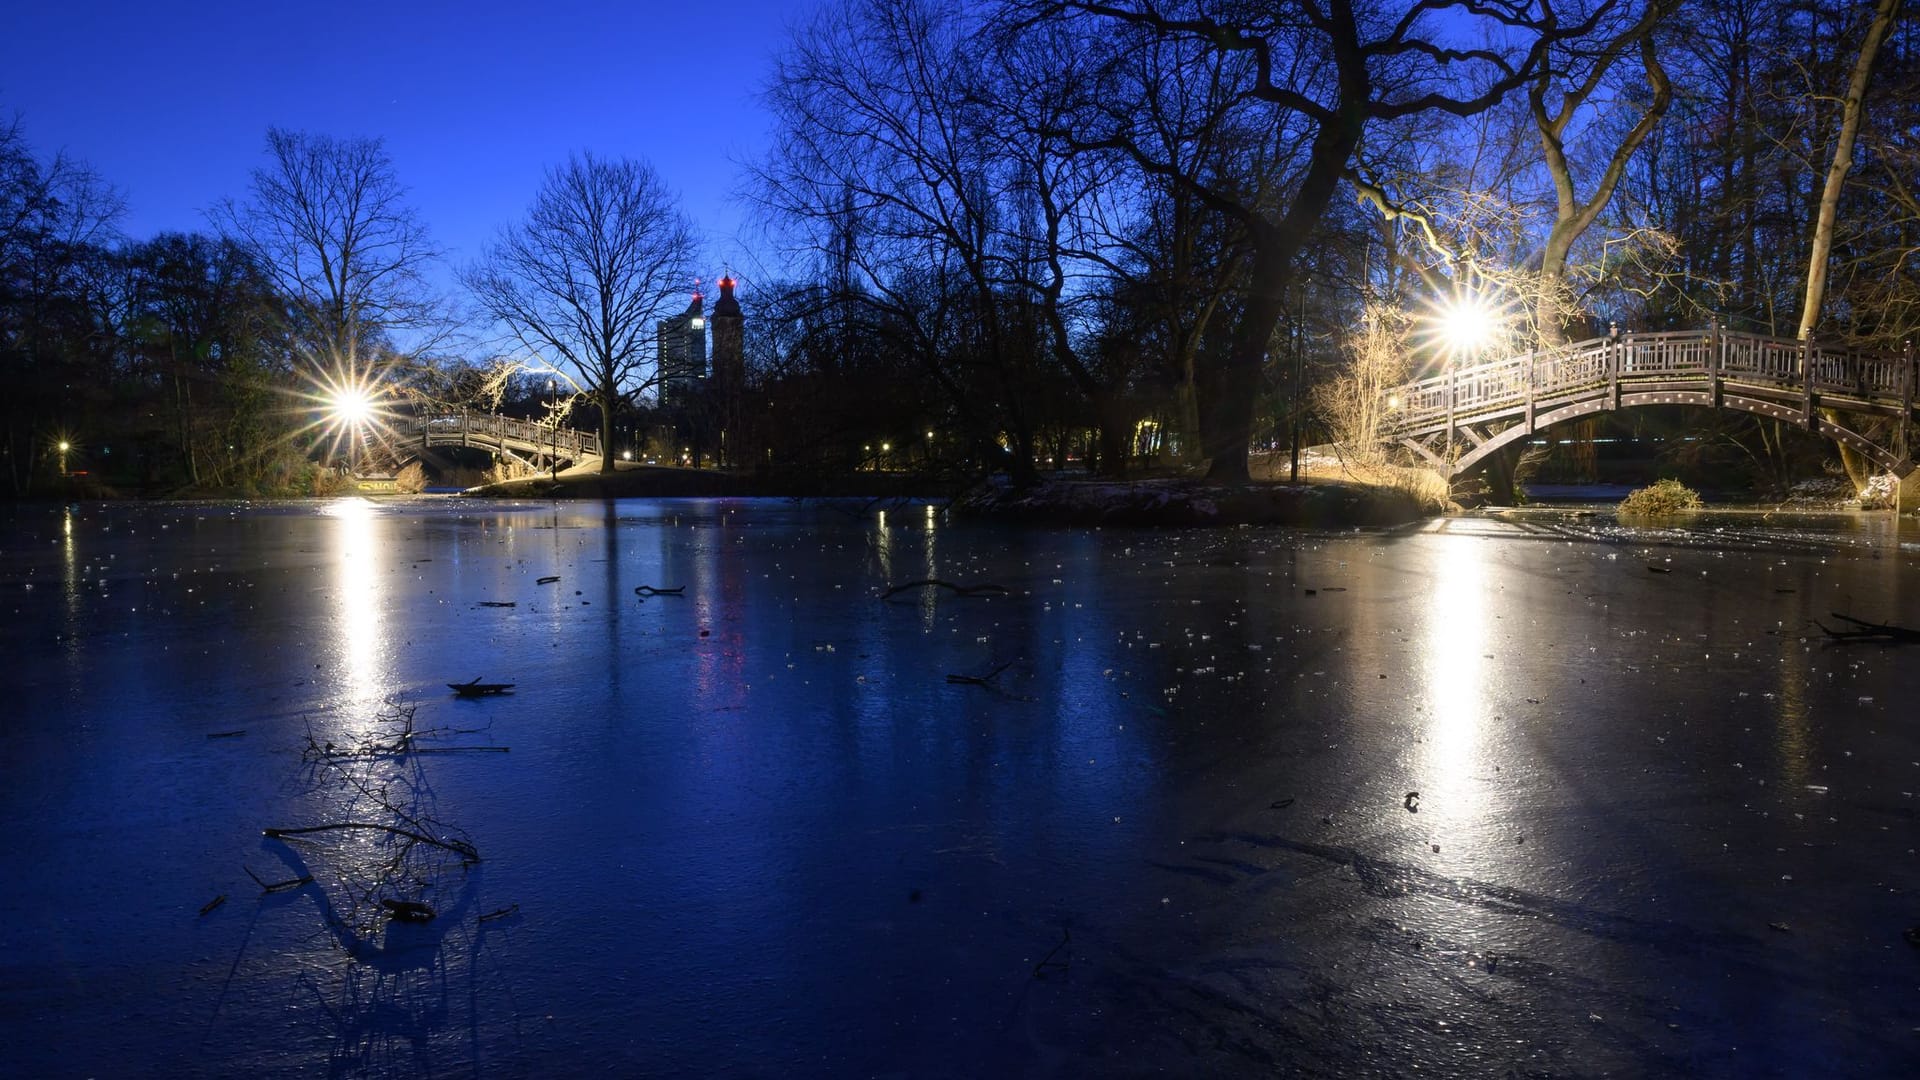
<point>1662,826</point>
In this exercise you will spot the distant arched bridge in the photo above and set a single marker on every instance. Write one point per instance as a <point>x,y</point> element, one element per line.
<point>1455,420</point>
<point>499,434</point>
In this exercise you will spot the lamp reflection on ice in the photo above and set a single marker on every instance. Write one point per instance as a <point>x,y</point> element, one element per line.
<point>1457,645</point>
<point>361,650</point>
<point>70,582</point>
<point>883,547</point>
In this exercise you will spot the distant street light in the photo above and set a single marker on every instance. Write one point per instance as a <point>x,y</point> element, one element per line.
<point>64,447</point>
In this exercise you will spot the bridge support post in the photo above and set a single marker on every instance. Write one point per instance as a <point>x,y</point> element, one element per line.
<point>1716,362</point>
<point>1807,417</point>
<point>1613,365</point>
<point>1453,399</point>
<point>1907,378</point>
<point>1532,361</point>
<point>1906,497</point>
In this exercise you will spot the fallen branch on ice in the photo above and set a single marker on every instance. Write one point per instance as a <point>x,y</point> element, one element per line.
<point>1869,631</point>
<point>458,847</point>
<point>278,886</point>
<point>979,680</point>
<point>958,590</point>
<point>1048,963</point>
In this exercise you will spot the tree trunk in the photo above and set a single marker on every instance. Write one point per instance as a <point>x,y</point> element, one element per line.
<point>1115,432</point>
<point>1229,386</point>
<point>1183,422</point>
<point>608,396</point>
<point>1573,215</point>
<point>1225,393</point>
<point>1019,459</point>
<point>1858,468</point>
<point>1883,17</point>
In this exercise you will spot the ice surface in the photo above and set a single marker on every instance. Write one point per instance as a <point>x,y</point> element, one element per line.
<point>1662,829</point>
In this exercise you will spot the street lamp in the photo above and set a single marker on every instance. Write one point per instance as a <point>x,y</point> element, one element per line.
<point>1299,378</point>
<point>553,437</point>
<point>64,447</point>
<point>352,409</point>
<point>1467,324</point>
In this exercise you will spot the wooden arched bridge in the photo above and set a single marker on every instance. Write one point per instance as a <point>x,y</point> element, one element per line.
<point>1865,400</point>
<point>499,434</point>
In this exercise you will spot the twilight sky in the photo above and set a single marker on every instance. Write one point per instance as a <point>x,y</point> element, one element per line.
<point>170,102</point>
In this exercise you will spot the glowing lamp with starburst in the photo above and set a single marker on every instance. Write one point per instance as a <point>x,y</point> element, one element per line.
<point>352,407</point>
<point>1467,325</point>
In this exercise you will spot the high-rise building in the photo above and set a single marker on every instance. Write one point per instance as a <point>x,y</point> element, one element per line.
<point>729,373</point>
<point>729,351</point>
<point>683,355</point>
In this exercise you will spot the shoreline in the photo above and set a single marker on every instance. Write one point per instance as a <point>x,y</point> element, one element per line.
<point>1173,502</point>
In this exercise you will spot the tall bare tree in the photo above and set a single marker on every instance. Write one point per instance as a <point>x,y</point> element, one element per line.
<point>1884,14</point>
<point>328,219</point>
<point>1554,108</point>
<point>208,329</point>
<point>56,216</point>
<point>1852,108</point>
<point>1315,74</point>
<point>1479,211</point>
<point>886,163</point>
<point>602,250</point>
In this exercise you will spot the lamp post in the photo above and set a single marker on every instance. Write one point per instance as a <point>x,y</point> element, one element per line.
<point>352,409</point>
<point>1467,323</point>
<point>64,447</point>
<point>1299,363</point>
<point>553,436</point>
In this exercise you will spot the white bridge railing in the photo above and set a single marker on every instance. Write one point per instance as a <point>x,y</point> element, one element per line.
<point>1670,359</point>
<point>466,428</point>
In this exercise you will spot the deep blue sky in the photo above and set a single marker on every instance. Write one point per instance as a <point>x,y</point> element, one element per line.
<point>171,102</point>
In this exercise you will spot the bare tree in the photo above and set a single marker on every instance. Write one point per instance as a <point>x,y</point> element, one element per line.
<point>1476,212</point>
<point>207,325</point>
<point>586,274</point>
<point>56,216</point>
<point>1883,17</point>
<point>1821,247</point>
<point>329,221</point>
<point>1315,75</point>
<point>1354,402</point>
<point>1573,213</point>
<point>886,164</point>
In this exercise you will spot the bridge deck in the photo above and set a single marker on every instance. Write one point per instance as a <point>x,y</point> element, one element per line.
<point>1771,376</point>
<point>495,432</point>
